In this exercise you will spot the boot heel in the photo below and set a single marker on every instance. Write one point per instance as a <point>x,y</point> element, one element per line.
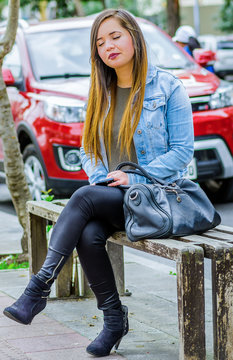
<point>118,343</point>
<point>109,337</point>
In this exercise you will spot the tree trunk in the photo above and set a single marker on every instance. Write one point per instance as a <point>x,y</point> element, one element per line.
<point>173,16</point>
<point>79,8</point>
<point>104,4</point>
<point>42,7</point>
<point>13,162</point>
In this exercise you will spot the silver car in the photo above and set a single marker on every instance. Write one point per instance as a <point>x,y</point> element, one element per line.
<point>223,46</point>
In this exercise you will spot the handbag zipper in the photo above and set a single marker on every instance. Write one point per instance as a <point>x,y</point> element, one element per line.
<point>161,209</point>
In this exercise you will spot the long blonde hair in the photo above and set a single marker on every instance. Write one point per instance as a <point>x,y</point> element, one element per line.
<point>103,84</point>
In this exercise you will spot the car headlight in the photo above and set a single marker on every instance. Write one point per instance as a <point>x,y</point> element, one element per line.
<point>65,110</point>
<point>223,97</point>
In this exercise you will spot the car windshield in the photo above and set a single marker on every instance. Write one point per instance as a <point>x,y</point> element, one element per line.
<point>60,53</point>
<point>162,51</point>
<point>66,53</point>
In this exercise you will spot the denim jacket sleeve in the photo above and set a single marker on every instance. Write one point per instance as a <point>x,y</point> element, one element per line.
<point>171,164</point>
<point>94,173</point>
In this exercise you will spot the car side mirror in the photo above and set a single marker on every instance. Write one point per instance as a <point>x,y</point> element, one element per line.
<point>8,77</point>
<point>204,57</point>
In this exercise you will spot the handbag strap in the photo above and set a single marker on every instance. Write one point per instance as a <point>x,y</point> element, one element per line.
<point>141,172</point>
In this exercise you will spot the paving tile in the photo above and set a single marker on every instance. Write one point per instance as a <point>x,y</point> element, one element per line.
<point>39,319</point>
<point>51,342</point>
<point>35,330</point>
<point>5,301</point>
<point>8,352</point>
<point>71,354</point>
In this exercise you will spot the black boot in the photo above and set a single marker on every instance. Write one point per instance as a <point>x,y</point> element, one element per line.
<point>30,303</point>
<point>115,327</point>
<point>34,298</point>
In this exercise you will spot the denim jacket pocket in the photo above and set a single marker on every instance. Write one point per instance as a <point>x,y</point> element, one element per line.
<point>153,111</point>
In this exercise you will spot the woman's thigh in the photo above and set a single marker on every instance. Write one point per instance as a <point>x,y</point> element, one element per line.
<point>100,202</point>
<point>92,252</point>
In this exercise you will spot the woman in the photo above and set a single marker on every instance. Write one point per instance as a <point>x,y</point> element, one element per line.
<point>135,111</point>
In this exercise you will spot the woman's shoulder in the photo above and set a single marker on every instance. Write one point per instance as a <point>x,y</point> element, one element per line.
<point>159,79</point>
<point>155,71</point>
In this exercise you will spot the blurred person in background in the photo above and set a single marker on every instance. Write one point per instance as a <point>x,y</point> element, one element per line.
<point>186,37</point>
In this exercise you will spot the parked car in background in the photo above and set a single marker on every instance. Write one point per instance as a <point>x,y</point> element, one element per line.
<point>47,78</point>
<point>223,47</point>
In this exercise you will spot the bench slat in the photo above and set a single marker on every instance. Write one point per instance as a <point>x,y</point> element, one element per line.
<point>168,248</point>
<point>45,209</point>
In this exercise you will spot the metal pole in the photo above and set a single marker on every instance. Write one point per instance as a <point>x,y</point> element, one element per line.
<point>196,17</point>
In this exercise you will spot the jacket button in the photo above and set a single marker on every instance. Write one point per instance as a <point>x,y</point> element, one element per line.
<point>154,104</point>
<point>143,152</point>
<point>139,132</point>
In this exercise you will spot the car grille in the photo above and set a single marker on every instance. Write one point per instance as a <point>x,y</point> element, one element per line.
<point>200,103</point>
<point>208,164</point>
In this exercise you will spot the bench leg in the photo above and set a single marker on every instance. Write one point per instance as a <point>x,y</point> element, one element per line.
<point>116,255</point>
<point>37,247</point>
<point>37,242</point>
<point>191,305</point>
<point>222,294</point>
<point>63,283</point>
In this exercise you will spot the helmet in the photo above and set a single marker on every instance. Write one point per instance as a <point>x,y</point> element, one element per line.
<point>183,33</point>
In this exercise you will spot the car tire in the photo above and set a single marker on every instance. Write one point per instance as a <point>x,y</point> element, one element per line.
<point>34,172</point>
<point>219,191</point>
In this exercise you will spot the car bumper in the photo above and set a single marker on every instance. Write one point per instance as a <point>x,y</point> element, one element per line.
<point>213,159</point>
<point>213,143</point>
<point>65,187</point>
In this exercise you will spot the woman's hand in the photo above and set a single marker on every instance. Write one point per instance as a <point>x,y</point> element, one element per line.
<point>120,178</point>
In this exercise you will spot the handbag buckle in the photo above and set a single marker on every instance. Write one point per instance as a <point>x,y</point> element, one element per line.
<point>133,196</point>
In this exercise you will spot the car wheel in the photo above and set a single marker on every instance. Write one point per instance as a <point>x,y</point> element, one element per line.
<point>219,190</point>
<point>34,172</point>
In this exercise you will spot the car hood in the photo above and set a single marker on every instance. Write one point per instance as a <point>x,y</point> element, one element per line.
<point>198,82</point>
<point>74,87</point>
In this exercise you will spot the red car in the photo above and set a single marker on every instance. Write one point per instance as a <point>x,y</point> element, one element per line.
<point>47,74</point>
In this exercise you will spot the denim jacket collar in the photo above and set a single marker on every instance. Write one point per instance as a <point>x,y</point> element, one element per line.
<point>151,73</point>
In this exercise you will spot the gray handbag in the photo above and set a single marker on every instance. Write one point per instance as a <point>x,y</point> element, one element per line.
<point>160,210</point>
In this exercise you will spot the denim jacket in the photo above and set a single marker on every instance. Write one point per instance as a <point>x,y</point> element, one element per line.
<point>164,138</point>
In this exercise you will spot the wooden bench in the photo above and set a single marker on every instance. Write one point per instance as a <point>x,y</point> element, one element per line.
<point>188,252</point>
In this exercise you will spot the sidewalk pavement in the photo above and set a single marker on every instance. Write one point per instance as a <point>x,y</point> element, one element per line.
<point>64,329</point>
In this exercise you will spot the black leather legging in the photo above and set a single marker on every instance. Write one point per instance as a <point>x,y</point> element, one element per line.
<point>92,214</point>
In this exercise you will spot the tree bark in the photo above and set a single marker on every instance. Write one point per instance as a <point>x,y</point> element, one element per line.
<point>104,4</point>
<point>42,7</point>
<point>13,161</point>
<point>173,16</point>
<point>79,8</point>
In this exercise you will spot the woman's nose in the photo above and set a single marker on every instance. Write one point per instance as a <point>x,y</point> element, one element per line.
<point>109,45</point>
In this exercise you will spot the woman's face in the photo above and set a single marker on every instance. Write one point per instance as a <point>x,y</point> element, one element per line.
<point>115,45</point>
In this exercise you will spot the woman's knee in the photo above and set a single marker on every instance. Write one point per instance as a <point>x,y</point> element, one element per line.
<point>80,193</point>
<point>94,236</point>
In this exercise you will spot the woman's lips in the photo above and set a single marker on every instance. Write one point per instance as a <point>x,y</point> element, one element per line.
<point>113,56</point>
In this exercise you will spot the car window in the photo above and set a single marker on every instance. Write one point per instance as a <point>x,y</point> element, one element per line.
<point>12,62</point>
<point>162,50</point>
<point>225,45</point>
<point>59,53</point>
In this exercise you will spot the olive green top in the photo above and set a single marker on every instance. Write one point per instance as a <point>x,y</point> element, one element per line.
<point>122,95</point>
